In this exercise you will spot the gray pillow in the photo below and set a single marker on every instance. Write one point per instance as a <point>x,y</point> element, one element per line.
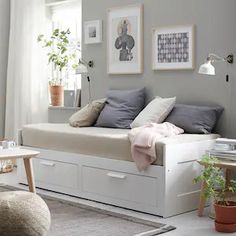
<point>122,106</point>
<point>195,119</point>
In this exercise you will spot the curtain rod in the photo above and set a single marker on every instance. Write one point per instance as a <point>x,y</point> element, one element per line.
<point>58,2</point>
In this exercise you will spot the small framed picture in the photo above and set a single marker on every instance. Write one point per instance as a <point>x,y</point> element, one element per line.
<point>173,48</point>
<point>125,40</point>
<point>93,32</point>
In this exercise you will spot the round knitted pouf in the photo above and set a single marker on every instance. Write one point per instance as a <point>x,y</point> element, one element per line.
<point>23,214</point>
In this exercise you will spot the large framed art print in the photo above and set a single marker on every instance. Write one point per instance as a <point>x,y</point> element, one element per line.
<point>125,40</point>
<point>173,48</point>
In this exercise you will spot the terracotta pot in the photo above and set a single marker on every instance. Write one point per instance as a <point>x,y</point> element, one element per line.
<point>57,95</point>
<point>225,217</point>
<point>225,228</point>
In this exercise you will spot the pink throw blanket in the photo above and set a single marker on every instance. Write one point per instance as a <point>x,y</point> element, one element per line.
<point>144,138</point>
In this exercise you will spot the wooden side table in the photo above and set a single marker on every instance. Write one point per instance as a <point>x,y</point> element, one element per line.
<point>228,166</point>
<point>26,155</point>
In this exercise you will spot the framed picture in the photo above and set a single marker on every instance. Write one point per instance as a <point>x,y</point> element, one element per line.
<point>173,48</point>
<point>125,40</point>
<point>92,32</point>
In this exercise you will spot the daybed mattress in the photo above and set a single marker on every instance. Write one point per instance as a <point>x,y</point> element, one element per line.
<point>94,141</point>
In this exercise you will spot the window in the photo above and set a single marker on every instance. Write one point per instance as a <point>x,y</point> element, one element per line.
<point>67,15</point>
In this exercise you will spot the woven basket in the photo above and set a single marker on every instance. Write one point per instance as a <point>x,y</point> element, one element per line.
<point>6,166</point>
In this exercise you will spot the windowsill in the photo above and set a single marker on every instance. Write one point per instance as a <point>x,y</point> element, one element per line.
<point>63,108</point>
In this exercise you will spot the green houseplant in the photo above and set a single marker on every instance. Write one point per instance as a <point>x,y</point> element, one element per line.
<point>217,188</point>
<point>61,58</point>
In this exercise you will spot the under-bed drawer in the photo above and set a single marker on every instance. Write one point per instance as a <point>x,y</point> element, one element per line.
<point>55,173</point>
<point>119,185</point>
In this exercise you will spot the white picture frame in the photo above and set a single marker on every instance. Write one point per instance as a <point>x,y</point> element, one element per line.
<point>125,23</point>
<point>173,48</point>
<point>93,32</point>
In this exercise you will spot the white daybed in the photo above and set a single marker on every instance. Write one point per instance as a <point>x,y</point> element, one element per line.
<point>95,163</point>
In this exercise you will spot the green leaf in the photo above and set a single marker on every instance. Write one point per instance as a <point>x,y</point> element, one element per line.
<point>212,175</point>
<point>59,53</point>
<point>40,38</point>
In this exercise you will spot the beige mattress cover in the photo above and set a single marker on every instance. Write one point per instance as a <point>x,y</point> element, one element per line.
<point>102,142</point>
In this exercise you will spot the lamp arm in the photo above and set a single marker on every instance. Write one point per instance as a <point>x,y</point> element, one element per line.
<point>85,63</point>
<point>213,57</point>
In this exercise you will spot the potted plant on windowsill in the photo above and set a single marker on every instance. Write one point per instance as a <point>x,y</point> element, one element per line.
<point>217,188</point>
<point>61,59</point>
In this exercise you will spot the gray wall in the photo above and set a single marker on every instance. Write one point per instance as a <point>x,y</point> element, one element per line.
<point>4,29</point>
<point>215,32</point>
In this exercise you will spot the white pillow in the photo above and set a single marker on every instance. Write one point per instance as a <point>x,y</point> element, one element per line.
<point>156,111</point>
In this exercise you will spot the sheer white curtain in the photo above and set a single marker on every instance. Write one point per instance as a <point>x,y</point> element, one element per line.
<point>27,91</point>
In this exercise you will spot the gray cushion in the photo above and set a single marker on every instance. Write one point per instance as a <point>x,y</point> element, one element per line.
<point>195,119</point>
<point>122,106</point>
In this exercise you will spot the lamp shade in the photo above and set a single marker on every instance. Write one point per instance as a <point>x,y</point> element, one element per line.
<point>207,69</point>
<point>81,69</point>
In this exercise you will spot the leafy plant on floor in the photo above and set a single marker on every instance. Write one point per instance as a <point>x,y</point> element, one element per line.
<point>216,185</point>
<point>59,54</point>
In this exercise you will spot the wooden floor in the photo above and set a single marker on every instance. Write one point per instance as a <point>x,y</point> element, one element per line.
<point>187,224</point>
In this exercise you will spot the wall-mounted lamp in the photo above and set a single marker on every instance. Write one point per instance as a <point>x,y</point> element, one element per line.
<point>208,69</point>
<point>82,68</point>
<point>85,63</point>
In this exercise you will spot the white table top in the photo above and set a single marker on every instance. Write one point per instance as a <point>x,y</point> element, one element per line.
<point>17,152</point>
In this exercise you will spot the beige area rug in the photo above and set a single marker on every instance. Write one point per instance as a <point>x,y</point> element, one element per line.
<point>75,219</point>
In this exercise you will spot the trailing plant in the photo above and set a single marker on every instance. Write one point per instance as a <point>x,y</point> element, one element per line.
<point>59,55</point>
<point>216,184</point>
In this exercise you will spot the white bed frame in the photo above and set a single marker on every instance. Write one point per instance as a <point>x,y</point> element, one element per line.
<point>161,190</point>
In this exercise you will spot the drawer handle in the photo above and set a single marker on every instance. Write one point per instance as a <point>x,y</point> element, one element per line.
<point>116,175</point>
<point>47,163</point>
